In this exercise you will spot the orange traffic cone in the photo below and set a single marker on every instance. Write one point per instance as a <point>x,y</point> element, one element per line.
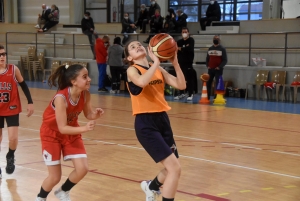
<point>204,99</point>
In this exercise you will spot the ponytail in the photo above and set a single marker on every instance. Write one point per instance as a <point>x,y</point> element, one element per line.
<point>63,76</point>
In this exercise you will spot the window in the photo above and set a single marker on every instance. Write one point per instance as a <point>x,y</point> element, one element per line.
<point>231,10</point>
<point>98,10</point>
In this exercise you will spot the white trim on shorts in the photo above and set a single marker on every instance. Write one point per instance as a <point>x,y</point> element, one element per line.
<point>69,157</point>
<point>49,163</point>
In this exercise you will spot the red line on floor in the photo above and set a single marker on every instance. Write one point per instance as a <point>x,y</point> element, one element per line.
<point>236,124</point>
<point>109,144</point>
<point>202,195</point>
<point>227,147</point>
<point>188,145</point>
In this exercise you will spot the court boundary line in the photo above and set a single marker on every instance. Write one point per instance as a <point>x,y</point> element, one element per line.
<point>201,159</point>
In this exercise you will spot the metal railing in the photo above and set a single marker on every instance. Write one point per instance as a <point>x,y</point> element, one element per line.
<point>250,48</point>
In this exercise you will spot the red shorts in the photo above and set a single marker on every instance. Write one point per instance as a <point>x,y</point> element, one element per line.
<point>55,143</point>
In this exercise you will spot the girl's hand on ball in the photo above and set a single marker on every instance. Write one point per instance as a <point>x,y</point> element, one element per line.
<point>153,56</point>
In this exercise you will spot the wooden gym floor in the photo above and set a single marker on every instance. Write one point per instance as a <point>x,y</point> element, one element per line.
<point>226,154</point>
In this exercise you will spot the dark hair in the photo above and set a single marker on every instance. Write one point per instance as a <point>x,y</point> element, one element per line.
<point>1,47</point>
<point>185,28</point>
<point>63,76</point>
<point>171,11</point>
<point>126,54</point>
<point>87,13</point>
<point>117,40</point>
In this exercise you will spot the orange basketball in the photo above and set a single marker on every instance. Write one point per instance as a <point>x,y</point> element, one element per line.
<point>163,46</point>
<point>204,77</point>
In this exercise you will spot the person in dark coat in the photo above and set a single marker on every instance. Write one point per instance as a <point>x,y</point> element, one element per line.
<point>152,9</point>
<point>88,28</point>
<point>170,22</point>
<point>181,20</point>
<point>128,26</point>
<point>143,19</point>
<point>213,13</point>
<point>156,24</point>
<point>43,18</point>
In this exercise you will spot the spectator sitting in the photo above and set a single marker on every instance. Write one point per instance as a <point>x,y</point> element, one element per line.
<point>213,13</point>
<point>181,21</point>
<point>115,62</point>
<point>170,22</point>
<point>88,28</point>
<point>127,27</point>
<point>143,19</point>
<point>53,19</point>
<point>153,7</point>
<point>43,18</point>
<point>156,24</point>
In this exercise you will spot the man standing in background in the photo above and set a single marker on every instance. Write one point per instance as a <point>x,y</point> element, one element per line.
<point>216,59</point>
<point>101,48</point>
<point>185,56</point>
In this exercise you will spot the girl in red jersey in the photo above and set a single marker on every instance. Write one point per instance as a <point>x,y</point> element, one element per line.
<point>152,126</point>
<point>10,106</point>
<point>60,132</point>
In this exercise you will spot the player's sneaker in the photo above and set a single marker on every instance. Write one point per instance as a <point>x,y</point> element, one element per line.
<point>190,98</point>
<point>10,165</point>
<point>62,195</point>
<point>40,199</point>
<point>150,195</point>
<point>179,97</point>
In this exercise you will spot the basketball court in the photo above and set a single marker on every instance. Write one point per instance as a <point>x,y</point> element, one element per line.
<point>247,150</point>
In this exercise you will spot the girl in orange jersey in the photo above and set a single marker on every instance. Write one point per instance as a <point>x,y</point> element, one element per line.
<point>152,126</point>
<point>10,106</point>
<point>60,131</point>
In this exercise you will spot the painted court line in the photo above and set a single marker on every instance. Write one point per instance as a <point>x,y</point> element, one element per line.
<point>184,137</point>
<point>201,159</point>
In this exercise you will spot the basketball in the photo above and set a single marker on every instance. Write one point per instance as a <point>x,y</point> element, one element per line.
<point>204,77</point>
<point>163,46</point>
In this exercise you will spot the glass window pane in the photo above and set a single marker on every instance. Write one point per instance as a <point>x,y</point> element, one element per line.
<point>183,2</point>
<point>92,4</point>
<point>228,8</point>
<point>203,10</point>
<point>242,17</point>
<point>256,7</point>
<point>255,16</point>
<point>146,2</point>
<point>242,8</point>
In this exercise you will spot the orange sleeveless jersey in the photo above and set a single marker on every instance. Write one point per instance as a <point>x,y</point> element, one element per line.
<point>10,103</point>
<point>152,98</point>
<point>73,110</point>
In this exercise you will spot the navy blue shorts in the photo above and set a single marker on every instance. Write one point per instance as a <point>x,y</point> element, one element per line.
<point>10,120</point>
<point>154,132</point>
